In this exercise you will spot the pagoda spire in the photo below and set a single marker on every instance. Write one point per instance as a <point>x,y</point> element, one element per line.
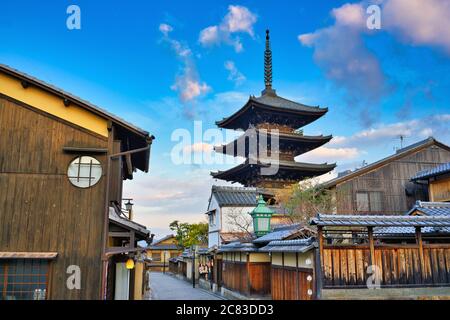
<point>268,67</point>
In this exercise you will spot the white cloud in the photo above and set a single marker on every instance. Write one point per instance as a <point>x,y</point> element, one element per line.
<point>187,83</point>
<point>161,198</point>
<point>199,147</point>
<point>165,29</point>
<point>234,74</point>
<point>419,22</point>
<point>326,154</point>
<point>350,15</point>
<point>239,19</point>
<point>340,52</point>
<point>413,131</point>
<point>209,35</point>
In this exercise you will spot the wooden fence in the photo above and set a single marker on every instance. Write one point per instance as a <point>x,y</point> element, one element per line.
<point>247,278</point>
<point>397,265</point>
<point>291,283</point>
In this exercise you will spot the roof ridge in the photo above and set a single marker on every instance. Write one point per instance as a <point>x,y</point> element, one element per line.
<point>428,204</point>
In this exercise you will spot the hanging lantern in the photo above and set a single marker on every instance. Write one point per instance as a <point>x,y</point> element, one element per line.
<point>261,218</point>
<point>129,264</point>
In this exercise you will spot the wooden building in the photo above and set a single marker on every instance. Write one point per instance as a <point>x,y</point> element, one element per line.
<point>384,257</point>
<point>292,269</point>
<point>384,187</point>
<point>272,140</point>
<point>161,251</point>
<point>62,163</point>
<point>437,180</point>
<point>245,270</point>
<point>228,205</point>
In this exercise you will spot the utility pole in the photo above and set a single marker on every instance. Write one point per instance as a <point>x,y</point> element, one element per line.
<point>164,262</point>
<point>193,266</point>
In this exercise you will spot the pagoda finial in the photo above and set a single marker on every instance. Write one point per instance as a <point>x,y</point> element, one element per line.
<point>268,67</point>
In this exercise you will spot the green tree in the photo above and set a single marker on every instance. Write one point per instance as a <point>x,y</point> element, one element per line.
<point>304,200</point>
<point>189,234</point>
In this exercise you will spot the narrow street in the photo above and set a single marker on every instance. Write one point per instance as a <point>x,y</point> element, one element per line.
<point>167,287</point>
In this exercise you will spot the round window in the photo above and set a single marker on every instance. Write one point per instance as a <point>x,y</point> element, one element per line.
<point>84,172</point>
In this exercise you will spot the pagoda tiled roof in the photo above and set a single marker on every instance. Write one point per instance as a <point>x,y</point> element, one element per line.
<point>297,142</point>
<point>296,114</point>
<point>295,170</point>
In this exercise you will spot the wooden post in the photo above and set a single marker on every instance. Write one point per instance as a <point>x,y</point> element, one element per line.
<point>320,236</point>
<point>421,257</point>
<point>318,264</point>
<point>297,280</point>
<point>371,245</point>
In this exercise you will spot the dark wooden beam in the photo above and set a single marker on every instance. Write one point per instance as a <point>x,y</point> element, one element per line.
<point>84,150</point>
<point>129,164</point>
<point>119,234</point>
<point>371,245</point>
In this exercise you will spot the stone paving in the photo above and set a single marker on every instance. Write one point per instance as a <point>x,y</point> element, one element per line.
<point>168,287</point>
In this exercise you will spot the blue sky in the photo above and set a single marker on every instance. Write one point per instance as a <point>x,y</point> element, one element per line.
<point>163,65</point>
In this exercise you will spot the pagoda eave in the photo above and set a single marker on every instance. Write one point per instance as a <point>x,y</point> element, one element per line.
<point>295,143</point>
<point>287,170</point>
<point>255,112</point>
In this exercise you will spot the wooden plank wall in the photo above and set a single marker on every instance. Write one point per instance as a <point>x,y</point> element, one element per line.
<point>290,283</point>
<point>391,180</point>
<point>398,266</point>
<point>247,278</point>
<point>40,210</point>
<point>235,276</point>
<point>259,278</point>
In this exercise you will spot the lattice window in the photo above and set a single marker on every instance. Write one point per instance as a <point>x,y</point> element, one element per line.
<point>84,172</point>
<point>23,279</point>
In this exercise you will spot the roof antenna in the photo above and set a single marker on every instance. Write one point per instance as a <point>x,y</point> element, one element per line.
<point>268,68</point>
<point>401,141</point>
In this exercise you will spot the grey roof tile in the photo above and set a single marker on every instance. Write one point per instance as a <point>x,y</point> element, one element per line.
<point>297,245</point>
<point>433,172</point>
<point>379,221</point>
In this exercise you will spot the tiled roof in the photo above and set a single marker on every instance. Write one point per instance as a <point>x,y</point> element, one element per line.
<point>228,237</point>
<point>431,208</point>
<point>164,247</point>
<point>282,103</point>
<point>381,221</point>
<point>238,246</point>
<point>284,232</point>
<point>114,217</point>
<point>297,245</point>
<point>154,243</point>
<point>433,172</point>
<point>233,196</point>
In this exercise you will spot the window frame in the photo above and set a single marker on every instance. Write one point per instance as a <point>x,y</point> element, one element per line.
<point>89,178</point>
<point>369,202</point>
<point>10,263</point>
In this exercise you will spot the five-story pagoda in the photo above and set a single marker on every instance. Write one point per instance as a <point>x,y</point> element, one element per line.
<point>277,121</point>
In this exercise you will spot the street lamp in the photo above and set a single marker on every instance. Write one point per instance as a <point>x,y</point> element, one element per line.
<point>261,216</point>
<point>129,207</point>
<point>129,264</point>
